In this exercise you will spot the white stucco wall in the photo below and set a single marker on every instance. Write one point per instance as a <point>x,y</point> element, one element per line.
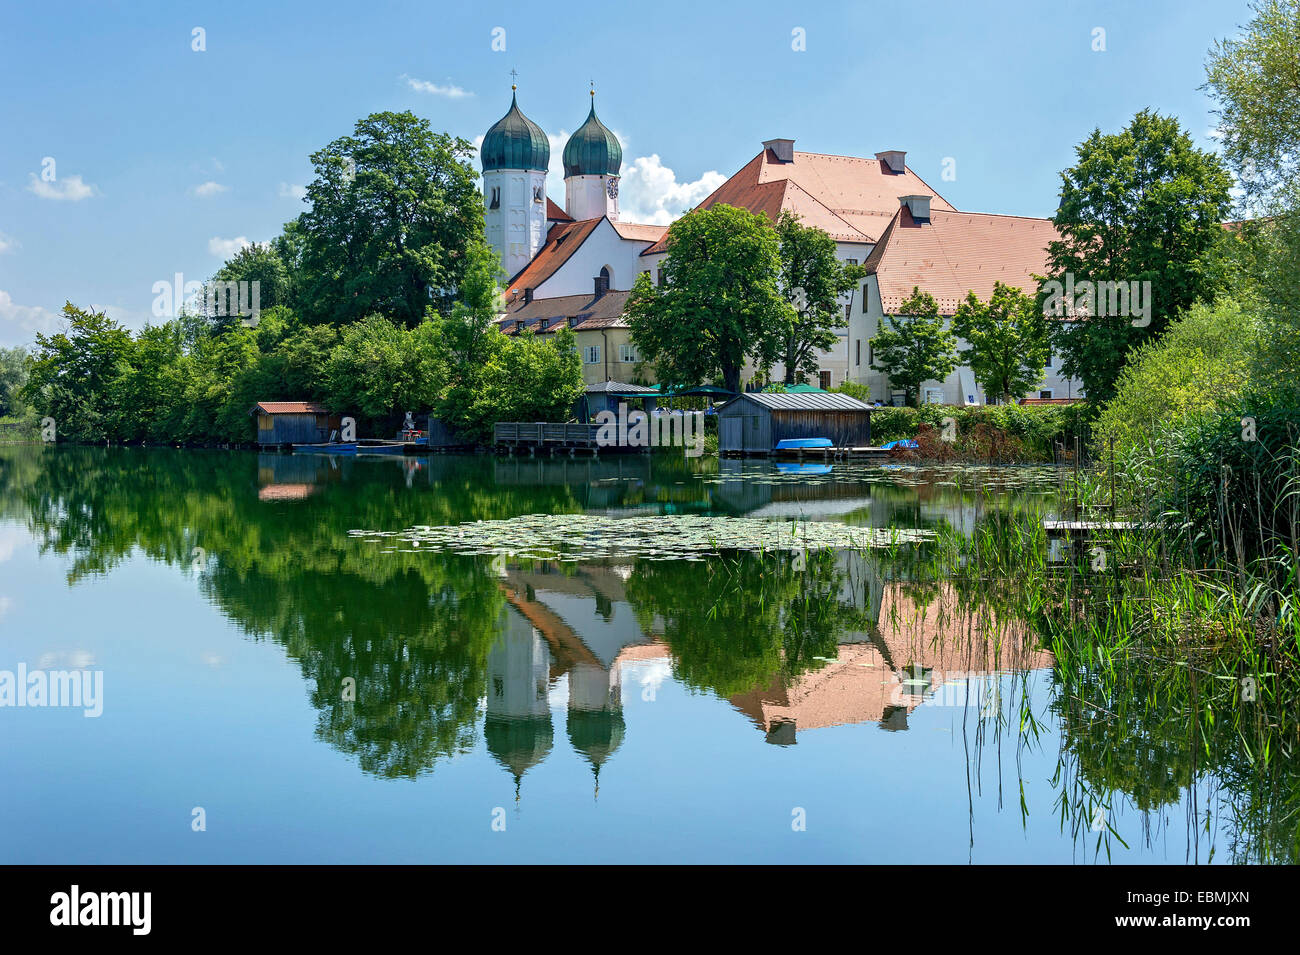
<point>604,247</point>
<point>587,197</point>
<point>957,387</point>
<point>517,228</point>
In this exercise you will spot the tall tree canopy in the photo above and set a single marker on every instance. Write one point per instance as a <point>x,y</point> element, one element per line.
<point>916,348</point>
<point>1006,338</point>
<point>394,208</point>
<point>1256,80</point>
<point>813,281</point>
<point>1140,205</point>
<point>722,303</point>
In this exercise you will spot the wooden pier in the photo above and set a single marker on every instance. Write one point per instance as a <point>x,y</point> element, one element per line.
<point>552,436</point>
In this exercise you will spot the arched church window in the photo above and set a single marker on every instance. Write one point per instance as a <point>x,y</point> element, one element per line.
<point>537,194</point>
<point>496,198</point>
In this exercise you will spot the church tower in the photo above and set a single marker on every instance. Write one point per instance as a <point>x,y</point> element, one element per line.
<point>592,159</point>
<point>515,155</point>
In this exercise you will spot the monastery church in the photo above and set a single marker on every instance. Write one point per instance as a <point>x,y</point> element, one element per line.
<point>575,266</point>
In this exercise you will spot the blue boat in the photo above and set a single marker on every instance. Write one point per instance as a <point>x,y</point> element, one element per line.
<point>787,467</point>
<point>799,444</point>
<point>335,447</point>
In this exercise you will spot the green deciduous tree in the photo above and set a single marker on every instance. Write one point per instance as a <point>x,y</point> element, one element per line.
<point>260,263</point>
<point>722,303</point>
<point>1256,80</point>
<point>1007,341</point>
<point>14,365</point>
<point>379,370</point>
<point>813,281</point>
<point>528,378</point>
<point>917,347</point>
<point>394,209</point>
<point>1140,205</point>
<point>78,374</point>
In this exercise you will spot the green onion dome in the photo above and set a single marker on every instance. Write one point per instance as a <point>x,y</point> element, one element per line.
<point>515,142</point>
<point>593,150</point>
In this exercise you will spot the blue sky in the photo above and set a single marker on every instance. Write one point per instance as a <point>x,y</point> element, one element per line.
<point>166,158</point>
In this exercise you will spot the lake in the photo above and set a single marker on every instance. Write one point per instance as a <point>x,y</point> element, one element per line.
<point>474,659</point>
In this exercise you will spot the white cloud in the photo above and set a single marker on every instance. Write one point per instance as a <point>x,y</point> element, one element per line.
<point>227,248</point>
<point>451,91</point>
<point>10,538</point>
<point>20,323</point>
<point>290,191</point>
<point>69,187</point>
<point>7,243</point>
<point>649,191</point>
<point>208,189</point>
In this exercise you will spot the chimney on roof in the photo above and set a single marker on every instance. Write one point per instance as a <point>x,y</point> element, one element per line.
<point>893,158</point>
<point>919,206</point>
<point>782,149</point>
<point>602,285</point>
<point>528,296</point>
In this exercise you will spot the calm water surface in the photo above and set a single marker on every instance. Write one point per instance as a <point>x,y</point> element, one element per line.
<point>316,694</point>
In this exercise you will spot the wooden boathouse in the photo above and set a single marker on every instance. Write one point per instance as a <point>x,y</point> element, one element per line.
<point>294,422</point>
<point>753,423</point>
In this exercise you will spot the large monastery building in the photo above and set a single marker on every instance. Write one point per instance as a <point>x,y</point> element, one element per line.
<point>576,266</point>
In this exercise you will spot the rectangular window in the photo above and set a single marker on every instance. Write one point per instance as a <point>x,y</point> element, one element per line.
<point>591,355</point>
<point>857,352</point>
<point>850,261</point>
<point>871,354</point>
<point>1049,360</point>
<point>627,352</point>
<point>1045,394</point>
<point>662,278</point>
<point>825,377</point>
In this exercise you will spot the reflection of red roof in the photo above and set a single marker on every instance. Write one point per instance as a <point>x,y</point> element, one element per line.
<point>851,199</point>
<point>290,407</point>
<point>555,214</point>
<point>286,492</point>
<point>1050,401</point>
<point>561,242</point>
<point>958,252</point>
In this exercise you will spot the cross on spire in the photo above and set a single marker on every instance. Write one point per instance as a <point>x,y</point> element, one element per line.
<point>514,76</point>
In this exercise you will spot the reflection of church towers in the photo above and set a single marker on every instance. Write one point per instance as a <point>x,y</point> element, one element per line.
<point>518,729</point>
<point>595,720</point>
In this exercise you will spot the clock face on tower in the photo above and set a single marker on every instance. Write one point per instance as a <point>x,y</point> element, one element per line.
<point>612,188</point>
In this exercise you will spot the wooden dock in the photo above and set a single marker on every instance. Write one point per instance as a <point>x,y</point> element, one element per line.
<point>547,435</point>
<point>1083,529</point>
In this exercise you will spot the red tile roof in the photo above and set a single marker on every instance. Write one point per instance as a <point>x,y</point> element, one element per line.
<point>589,313</point>
<point>850,198</point>
<point>638,232</point>
<point>290,407</point>
<point>561,242</point>
<point>958,252</point>
<point>555,214</point>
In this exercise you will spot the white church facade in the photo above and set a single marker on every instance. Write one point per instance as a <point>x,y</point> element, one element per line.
<point>576,266</point>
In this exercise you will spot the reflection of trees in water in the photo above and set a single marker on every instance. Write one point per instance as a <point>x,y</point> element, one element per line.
<point>738,622</point>
<point>415,630</point>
